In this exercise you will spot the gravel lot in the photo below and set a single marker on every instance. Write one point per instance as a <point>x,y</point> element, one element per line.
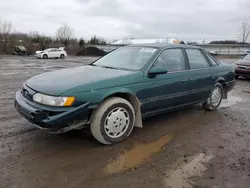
<point>189,148</point>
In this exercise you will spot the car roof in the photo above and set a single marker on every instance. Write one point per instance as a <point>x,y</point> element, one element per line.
<point>52,49</point>
<point>164,46</point>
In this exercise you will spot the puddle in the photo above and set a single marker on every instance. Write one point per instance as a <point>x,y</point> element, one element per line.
<point>230,101</point>
<point>182,177</point>
<point>133,158</point>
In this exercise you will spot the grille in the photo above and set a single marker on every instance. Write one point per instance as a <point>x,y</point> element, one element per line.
<point>244,67</point>
<point>27,92</point>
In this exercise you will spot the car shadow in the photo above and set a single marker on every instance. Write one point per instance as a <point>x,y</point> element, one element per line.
<point>153,128</point>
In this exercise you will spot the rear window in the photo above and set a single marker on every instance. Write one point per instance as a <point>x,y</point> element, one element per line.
<point>212,61</point>
<point>196,59</point>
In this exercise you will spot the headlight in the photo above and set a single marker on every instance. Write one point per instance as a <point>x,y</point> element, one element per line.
<point>53,101</point>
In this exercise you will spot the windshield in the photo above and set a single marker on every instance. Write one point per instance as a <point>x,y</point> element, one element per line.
<point>247,57</point>
<point>127,58</point>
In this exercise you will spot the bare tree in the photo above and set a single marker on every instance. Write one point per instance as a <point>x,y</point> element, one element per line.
<point>127,40</point>
<point>244,32</point>
<point>5,29</point>
<point>64,34</point>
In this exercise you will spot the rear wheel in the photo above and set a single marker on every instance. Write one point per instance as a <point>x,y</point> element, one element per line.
<point>215,98</point>
<point>113,121</point>
<point>45,56</point>
<point>62,56</point>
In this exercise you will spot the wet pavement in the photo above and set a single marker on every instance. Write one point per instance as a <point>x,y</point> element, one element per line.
<point>188,148</point>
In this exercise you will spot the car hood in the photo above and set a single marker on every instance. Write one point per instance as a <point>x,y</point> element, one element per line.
<point>85,78</point>
<point>38,52</point>
<point>243,62</point>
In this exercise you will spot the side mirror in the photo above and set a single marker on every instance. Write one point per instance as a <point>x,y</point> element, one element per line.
<point>157,70</point>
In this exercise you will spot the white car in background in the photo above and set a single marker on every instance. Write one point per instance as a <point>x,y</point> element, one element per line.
<point>52,53</point>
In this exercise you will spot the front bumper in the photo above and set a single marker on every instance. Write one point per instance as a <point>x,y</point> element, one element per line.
<point>242,72</point>
<point>52,119</point>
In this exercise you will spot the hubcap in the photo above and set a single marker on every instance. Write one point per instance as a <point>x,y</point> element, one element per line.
<point>216,96</point>
<point>117,122</point>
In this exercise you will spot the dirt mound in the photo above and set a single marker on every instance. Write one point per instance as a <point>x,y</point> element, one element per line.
<point>91,51</point>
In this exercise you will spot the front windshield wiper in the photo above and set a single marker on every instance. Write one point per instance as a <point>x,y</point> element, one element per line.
<point>108,67</point>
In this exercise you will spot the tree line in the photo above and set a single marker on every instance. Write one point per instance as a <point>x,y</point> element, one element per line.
<point>9,38</point>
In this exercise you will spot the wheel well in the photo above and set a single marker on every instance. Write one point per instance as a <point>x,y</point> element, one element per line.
<point>222,82</point>
<point>134,102</point>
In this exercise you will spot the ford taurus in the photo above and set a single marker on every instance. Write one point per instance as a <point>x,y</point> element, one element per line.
<point>112,95</point>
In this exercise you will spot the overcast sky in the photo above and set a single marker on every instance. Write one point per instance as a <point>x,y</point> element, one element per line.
<point>116,19</point>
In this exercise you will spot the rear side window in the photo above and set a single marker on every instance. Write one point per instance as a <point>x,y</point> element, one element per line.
<point>213,62</point>
<point>196,59</point>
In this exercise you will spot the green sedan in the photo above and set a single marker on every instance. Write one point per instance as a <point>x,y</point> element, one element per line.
<point>112,95</point>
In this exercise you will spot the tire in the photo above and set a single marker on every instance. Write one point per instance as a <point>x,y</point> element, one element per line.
<point>236,76</point>
<point>209,105</point>
<point>45,56</point>
<point>62,56</point>
<point>122,118</point>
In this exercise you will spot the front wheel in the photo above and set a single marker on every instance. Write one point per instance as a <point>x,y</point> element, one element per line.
<point>62,56</point>
<point>45,56</point>
<point>215,98</point>
<point>113,121</point>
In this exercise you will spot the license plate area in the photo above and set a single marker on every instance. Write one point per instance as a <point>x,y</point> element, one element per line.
<point>27,115</point>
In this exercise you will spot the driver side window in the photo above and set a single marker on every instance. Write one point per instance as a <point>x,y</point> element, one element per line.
<point>172,59</point>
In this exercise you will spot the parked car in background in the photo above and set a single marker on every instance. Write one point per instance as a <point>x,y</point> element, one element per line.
<point>20,50</point>
<point>213,53</point>
<point>114,93</point>
<point>242,67</point>
<point>51,53</point>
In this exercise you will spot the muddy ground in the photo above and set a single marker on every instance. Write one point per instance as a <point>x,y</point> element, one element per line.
<point>189,148</point>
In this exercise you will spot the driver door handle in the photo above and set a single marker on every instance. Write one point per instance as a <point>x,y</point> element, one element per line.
<point>184,81</point>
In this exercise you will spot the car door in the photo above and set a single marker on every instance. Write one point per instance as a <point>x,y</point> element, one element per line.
<point>170,90</point>
<point>202,77</point>
<point>53,53</point>
<point>50,53</point>
<point>58,53</point>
